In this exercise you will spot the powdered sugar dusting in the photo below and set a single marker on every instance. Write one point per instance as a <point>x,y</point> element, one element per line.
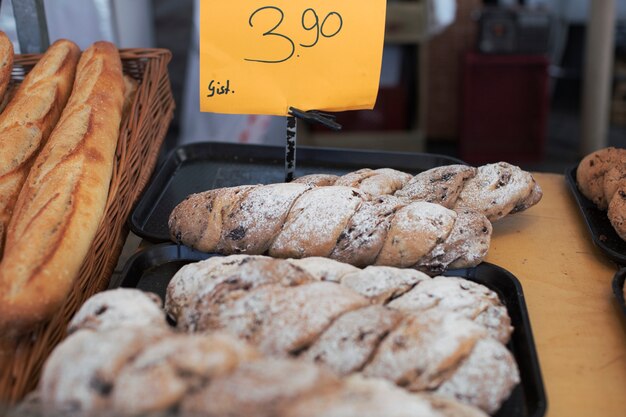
<point>119,307</point>
<point>281,320</point>
<point>354,179</point>
<point>349,342</point>
<point>363,397</point>
<point>251,227</point>
<point>381,283</point>
<point>191,280</point>
<point>385,181</point>
<point>324,269</point>
<point>431,222</point>
<point>440,185</point>
<point>419,351</point>
<point>466,245</point>
<point>425,216</point>
<point>363,237</point>
<point>317,180</point>
<point>458,295</point>
<point>79,369</point>
<point>473,382</point>
<point>315,222</point>
<point>260,388</point>
<point>496,190</point>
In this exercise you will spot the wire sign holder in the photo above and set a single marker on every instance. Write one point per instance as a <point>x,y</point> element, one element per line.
<point>312,116</point>
<point>290,149</point>
<point>297,58</point>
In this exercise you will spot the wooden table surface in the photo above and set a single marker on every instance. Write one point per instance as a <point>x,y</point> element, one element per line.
<point>579,332</point>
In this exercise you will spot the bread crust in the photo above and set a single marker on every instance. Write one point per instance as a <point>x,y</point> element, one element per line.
<point>6,62</point>
<point>591,171</point>
<point>617,212</point>
<point>62,202</point>
<point>29,118</point>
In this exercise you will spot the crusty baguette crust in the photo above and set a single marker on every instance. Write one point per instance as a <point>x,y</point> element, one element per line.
<point>6,62</point>
<point>29,118</point>
<point>63,199</point>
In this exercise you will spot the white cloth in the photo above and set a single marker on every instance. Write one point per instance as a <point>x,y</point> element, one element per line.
<point>441,14</point>
<point>126,23</point>
<point>197,126</point>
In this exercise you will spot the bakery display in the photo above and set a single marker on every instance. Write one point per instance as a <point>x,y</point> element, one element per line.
<point>444,335</point>
<point>494,190</point>
<point>134,369</point>
<point>61,203</point>
<point>433,221</point>
<point>296,220</point>
<point>28,119</point>
<point>601,177</point>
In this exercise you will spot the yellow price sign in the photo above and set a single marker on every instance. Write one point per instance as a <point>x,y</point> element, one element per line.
<point>264,56</point>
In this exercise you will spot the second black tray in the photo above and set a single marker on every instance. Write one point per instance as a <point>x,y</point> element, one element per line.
<point>618,289</point>
<point>602,232</point>
<point>199,167</point>
<point>152,269</point>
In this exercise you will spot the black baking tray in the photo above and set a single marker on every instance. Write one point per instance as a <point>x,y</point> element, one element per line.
<point>203,166</point>
<point>618,289</point>
<point>602,232</point>
<point>152,269</point>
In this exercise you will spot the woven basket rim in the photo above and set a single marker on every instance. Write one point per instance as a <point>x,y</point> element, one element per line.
<point>125,53</point>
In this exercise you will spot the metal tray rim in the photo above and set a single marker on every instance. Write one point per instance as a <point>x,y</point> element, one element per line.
<point>619,280</point>
<point>179,155</point>
<point>581,200</point>
<point>540,406</point>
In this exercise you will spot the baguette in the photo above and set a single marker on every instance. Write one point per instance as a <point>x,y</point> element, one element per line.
<point>6,63</point>
<point>133,370</point>
<point>340,222</point>
<point>29,118</point>
<point>63,199</point>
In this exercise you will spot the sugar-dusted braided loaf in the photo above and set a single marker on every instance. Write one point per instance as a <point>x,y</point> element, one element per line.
<point>297,220</point>
<point>442,334</point>
<point>494,190</point>
<point>114,365</point>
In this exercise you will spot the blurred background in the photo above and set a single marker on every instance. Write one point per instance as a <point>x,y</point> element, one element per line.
<point>537,83</point>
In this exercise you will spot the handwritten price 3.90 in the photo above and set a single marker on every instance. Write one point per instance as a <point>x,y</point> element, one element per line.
<point>329,27</point>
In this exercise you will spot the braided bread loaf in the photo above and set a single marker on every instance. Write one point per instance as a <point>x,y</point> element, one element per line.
<point>444,335</point>
<point>114,365</point>
<point>601,177</point>
<point>494,190</point>
<point>295,221</point>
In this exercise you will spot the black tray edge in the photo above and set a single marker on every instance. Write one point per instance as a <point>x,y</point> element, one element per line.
<point>536,375</point>
<point>178,155</point>
<point>541,405</point>
<point>581,200</point>
<point>137,262</point>
<point>618,289</point>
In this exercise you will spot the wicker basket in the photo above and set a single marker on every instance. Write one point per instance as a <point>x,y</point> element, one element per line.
<point>141,135</point>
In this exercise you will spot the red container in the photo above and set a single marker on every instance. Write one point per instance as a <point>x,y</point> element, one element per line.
<point>504,108</point>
